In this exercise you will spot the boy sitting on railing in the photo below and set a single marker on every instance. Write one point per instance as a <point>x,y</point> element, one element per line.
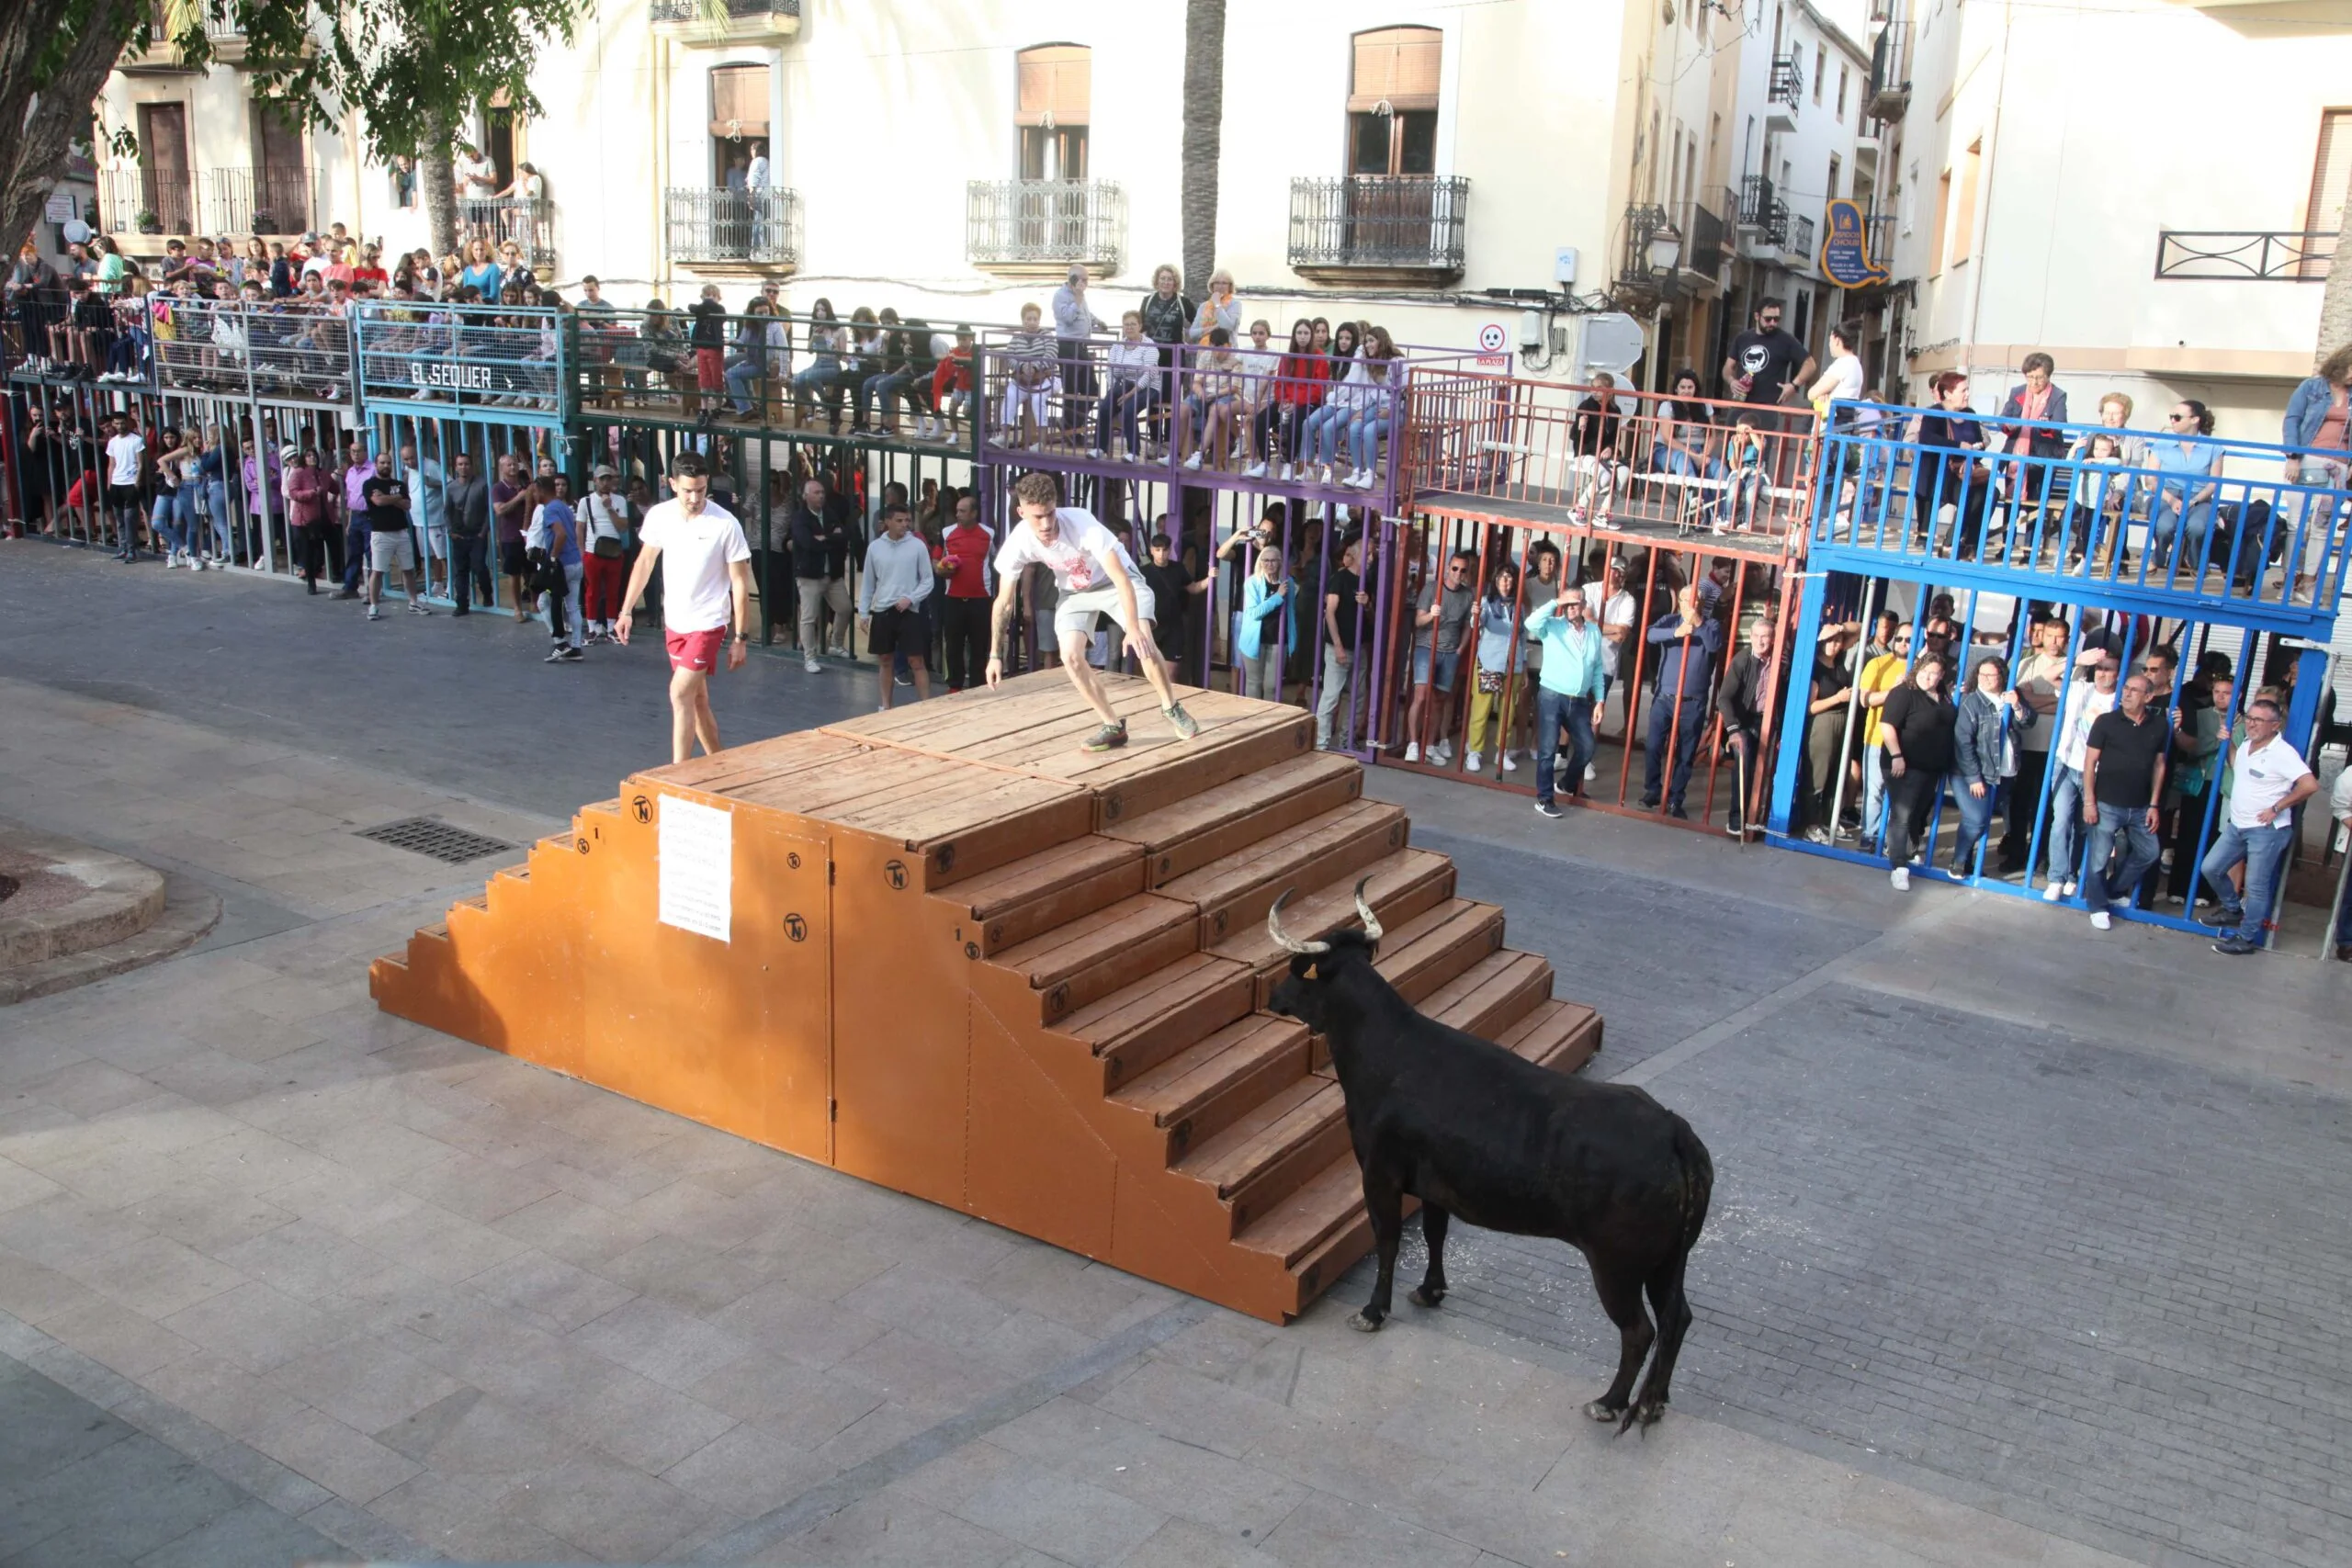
<point>951,384</point>
<point>1033,379</point>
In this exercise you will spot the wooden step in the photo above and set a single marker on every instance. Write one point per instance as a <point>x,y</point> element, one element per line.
<point>1271,1149</point>
<point>1038,893</point>
<point>1189,834</point>
<point>1432,948</point>
<point>1560,1035</point>
<point>1236,889</point>
<point>1493,993</point>
<point>1206,1086</point>
<point>1165,1013</point>
<point>1405,885</point>
<point>1089,959</point>
<point>1326,1204</point>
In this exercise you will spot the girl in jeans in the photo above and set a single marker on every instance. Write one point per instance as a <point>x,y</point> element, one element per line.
<point>1130,391</point>
<point>1991,716</point>
<point>1328,424</point>
<point>1373,415</point>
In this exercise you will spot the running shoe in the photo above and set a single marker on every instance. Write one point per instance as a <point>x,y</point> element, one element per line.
<point>1183,724</point>
<point>1109,737</point>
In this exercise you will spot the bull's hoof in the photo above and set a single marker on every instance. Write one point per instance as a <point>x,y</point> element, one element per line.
<point>1599,1410</point>
<point>1424,1297</point>
<point>1645,1416</point>
<point>1364,1323</point>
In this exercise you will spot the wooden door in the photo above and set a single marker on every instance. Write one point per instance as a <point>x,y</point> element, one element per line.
<point>165,180</point>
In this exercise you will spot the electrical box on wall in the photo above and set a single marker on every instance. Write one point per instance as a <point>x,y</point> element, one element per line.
<point>1564,266</point>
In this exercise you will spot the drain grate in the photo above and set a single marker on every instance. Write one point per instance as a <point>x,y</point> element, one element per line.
<point>432,837</point>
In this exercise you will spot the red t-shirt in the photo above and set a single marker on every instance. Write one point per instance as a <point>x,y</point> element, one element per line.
<point>969,548</point>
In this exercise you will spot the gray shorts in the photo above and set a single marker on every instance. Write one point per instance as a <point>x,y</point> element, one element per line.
<point>1074,616</point>
<point>392,552</point>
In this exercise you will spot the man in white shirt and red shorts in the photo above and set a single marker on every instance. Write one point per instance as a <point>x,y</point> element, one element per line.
<point>1095,576</point>
<point>706,590</point>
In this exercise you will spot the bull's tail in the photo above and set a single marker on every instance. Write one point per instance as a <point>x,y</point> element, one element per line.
<point>1698,1182</point>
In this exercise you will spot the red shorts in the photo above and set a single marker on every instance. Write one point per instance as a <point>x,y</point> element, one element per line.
<point>694,651</point>
<point>711,369</point>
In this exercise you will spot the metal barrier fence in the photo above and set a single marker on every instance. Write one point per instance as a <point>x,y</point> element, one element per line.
<point>507,365</point>
<point>285,350</point>
<point>2175,521</point>
<point>1639,461</point>
<point>2024,833</point>
<point>495,221</point>
<point>734,225</point>
<point>1458,676</point>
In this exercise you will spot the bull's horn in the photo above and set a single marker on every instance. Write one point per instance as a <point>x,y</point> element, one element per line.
<point>1371,921</point>
<point>1283,939</point>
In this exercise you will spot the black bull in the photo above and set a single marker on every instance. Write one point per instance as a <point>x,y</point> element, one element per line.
<point>1471,1129</point>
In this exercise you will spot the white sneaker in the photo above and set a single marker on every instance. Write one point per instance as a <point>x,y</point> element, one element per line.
<point>1287,472</point>
<point>1095,453</point>
<point>2100,920</point>
<point>2052,894</point>
<point>811,666</point>
<point>1325,477</point>
<point>1511,763</point>
<point>200,564</point>
<point>171,559</point>
<point>1412,751</point>
<point>1254,471</point>
<point>1901,878</point>
<point>1442,753</point>
<point>1477,762</point>
<point>2072,887</point>
<point>1363,480</point>
<point>1591,772</point>
<point>1194,462</point>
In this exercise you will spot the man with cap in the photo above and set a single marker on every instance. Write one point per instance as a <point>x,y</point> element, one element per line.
<point>604,535</point>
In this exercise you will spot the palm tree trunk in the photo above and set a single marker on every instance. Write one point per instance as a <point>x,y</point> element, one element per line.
<point>1204,121</point>
<point>2335,305</point>
<point>436,178</point>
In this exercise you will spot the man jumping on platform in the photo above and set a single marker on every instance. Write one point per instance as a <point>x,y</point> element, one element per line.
<point>706,590</point>
<point>1095,576</point>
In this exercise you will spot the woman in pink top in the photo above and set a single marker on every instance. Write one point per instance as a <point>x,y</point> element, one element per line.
<point>2032,425</point>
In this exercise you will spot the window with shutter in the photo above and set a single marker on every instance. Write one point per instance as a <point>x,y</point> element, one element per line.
<point>739,101</point>
<point>2323,213</point>
<point>1393,101</point>
<point>1057,84</point>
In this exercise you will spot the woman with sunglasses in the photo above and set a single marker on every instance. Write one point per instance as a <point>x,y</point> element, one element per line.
<point>2182,518</point>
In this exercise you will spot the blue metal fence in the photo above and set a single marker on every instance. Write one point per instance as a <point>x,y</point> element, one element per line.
<point>504,365</point>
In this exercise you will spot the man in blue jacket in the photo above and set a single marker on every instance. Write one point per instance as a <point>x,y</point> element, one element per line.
<point>1572,683</point>
<point>1690,639</point>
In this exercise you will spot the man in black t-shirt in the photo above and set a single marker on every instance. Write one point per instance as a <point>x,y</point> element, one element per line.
<point>2123,778</point>
<point>1767,365</point>
<point>389,544</point>
<point>1347,612</point>
<point>1173,587</point>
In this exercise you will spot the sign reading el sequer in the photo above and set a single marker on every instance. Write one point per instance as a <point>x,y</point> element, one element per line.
<point>442,373</point>
<point>1846,248</point>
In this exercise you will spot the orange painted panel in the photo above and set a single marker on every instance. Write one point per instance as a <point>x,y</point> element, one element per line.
<point>735,1033</point>
<point>1033,1164</point>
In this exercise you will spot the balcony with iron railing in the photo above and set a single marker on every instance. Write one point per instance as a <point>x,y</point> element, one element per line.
<point>759,229</point>
<point>1407,228</point>
<point>254,201</point>
<point>1783,91</point>
<point>160,51</point>
<point>147,199</point>
<point>1877,237</point>
<point>2245,255</point>
<point>1890,84</point>
<point>1037,228</point>
<point>1755,200</point>
<point>726,21</point>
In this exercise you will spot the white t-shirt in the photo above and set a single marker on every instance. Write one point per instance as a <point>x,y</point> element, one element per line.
<point>1848,371</point>
<point>606,515</point>
<point>1079,557</point>
<point>1617,612</point>
<point>695,553</point>
<point>123,453</point>
<point>2259,780</point>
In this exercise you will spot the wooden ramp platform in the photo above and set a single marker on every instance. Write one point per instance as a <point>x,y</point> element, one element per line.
<point>944,950</point>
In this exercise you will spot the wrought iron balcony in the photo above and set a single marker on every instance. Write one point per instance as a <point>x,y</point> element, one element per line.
<point>1021,226</point>
<point>753,228</point>
<point>1706,238</point>
<point>726,21</point>
<point>254,201</point>
<point>496,219</point>
<point>1890,90</point>
<point>2250,256</point>
<point>1785,90</point>
<point>147,199</point>
<point>1409,225</point>
<point>1877,236</point>
<point>1754,200</point>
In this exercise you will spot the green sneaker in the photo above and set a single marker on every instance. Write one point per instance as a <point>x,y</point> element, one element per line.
<point>1183,724</point>
<point>1109,737</point>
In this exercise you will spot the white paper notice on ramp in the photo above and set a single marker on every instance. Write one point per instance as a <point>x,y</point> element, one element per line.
<point>697,864</point>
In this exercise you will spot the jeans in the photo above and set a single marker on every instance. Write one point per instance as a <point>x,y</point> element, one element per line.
<point>1261,672</point>
<point>1123,407</point>
<point>816,380</point>
<point>1975,817</point>
<point>216,500</point>
<point>2264,849</point>
<point>2165,523</point>
<point>1324,422</point>
<point>1874,793</point>
<point>1363,436</point>
<point>1910,801</point>
<point>166,521</point>
<point>1339,687</point>
<point>2065,812</point>
<point>889,384</point>
<point>741,376</point>
<point>1554,710</point>
<point>563,611</point>
<point>354,552</point>
<point>1682,719</point>
<point>2139,853</point>
<point>469,571</point>
<point>1673,459</point>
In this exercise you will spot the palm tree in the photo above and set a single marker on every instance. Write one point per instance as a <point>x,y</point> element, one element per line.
<point>1204,119</point>
<point>436,179</point>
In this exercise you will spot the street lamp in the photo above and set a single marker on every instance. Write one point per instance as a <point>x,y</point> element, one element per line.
<point>1664,248</point>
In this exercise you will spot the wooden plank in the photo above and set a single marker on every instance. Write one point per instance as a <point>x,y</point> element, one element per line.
<point>1191,832</point>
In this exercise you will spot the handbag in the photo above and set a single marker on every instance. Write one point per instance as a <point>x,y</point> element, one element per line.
<point>1490,682</point>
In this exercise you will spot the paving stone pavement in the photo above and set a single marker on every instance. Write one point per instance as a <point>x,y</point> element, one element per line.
<point>332,1284</point>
